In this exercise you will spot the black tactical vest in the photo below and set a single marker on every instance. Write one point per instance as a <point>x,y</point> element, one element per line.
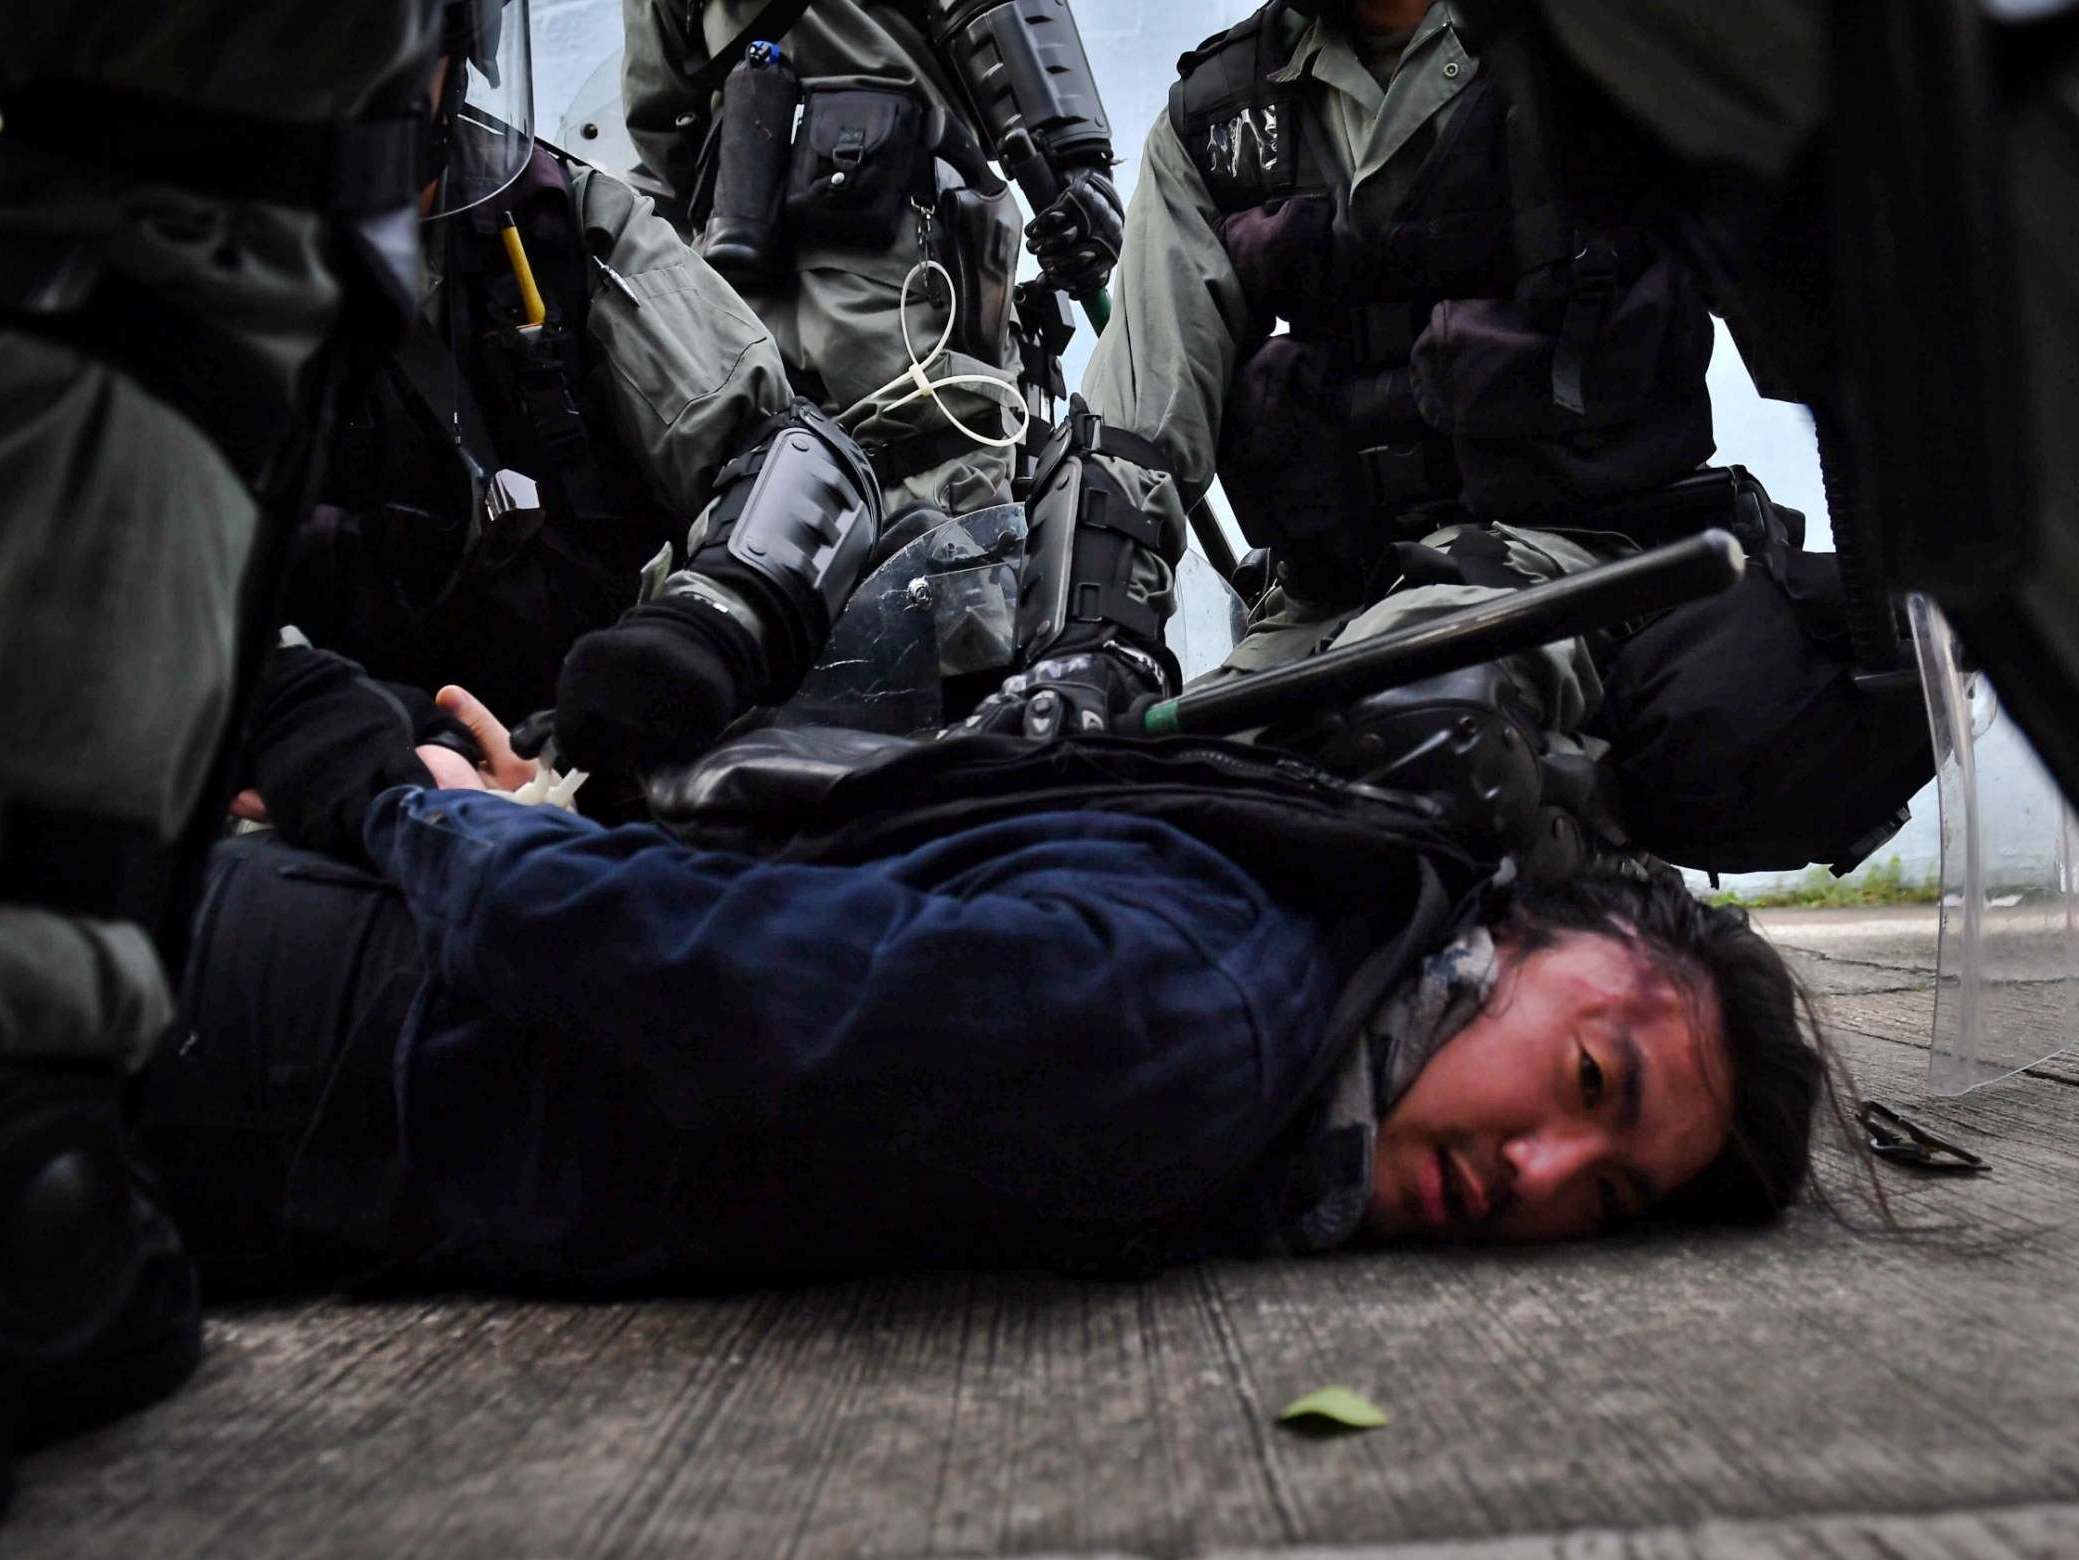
<point>1496,347</point>
<point>409,565</point>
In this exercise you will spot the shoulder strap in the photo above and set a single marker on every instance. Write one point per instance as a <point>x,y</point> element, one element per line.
<point>769,25</point>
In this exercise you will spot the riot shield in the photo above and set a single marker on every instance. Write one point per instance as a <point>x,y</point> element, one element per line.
<point>940,615</point>
<point>595,127</point>
<point>2007,992</point>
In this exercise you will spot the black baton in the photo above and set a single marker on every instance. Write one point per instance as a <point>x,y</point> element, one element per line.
<point>1688,570</point>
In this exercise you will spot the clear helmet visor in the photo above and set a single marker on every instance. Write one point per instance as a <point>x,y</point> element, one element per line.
<point>492,131</point>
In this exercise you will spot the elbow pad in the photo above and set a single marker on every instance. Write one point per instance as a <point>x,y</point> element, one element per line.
<point>1024,68</point>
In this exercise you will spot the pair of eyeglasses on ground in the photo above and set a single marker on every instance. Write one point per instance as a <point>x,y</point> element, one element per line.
<point>1898,1141</point>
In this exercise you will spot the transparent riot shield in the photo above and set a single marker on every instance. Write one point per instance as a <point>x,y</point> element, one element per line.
<point>492,132</point>
<point>2007,989</point>
<point>944,607</point>
<point>595,125</point>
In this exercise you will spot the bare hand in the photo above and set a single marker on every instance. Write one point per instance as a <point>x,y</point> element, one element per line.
<point>450,770</point>
<point>502,768</point>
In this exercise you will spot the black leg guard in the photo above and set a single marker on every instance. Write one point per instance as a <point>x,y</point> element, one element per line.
<point>1082,545</point>
<point>793,530</point>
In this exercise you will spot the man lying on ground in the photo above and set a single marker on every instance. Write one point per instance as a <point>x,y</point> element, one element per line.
<point>1095,1004</point>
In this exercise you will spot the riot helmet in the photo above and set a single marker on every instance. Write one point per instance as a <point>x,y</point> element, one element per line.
<point>484,122</point>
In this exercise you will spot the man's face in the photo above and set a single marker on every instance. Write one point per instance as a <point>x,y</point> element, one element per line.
<point>1589,1087</point>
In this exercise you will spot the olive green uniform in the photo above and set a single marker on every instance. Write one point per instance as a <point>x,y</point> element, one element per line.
<point>694,370</point>
<point>837,312</point>
<point>127,531</point>
<point>1163,367</point>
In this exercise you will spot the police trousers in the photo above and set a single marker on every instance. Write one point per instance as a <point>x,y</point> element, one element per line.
<point>120,566</point>
<point>1724,723</point>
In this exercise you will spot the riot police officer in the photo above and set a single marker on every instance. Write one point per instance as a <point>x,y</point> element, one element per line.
<point>577,391</point>
<point>1390,280</point>
<point>191,221</point>
<point>827,228</point>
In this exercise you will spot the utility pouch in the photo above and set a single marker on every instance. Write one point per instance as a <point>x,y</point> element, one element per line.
<point>859,160</point>
<point>980,250</point>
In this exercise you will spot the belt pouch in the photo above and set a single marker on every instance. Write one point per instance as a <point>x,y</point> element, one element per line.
<point>859,160</point>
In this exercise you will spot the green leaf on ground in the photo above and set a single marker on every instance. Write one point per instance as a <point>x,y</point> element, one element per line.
<point>1337,1406</point>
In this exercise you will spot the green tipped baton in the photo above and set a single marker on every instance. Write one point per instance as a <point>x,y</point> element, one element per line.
<point>1027,165</point>
<point>1688,570</point>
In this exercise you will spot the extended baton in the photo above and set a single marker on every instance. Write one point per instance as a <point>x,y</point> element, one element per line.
<point>1699,566</point>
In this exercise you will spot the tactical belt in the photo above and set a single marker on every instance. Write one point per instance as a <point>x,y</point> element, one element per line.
<point>347,169</point>
<point>1726,496</point>
<point>1095,436</point>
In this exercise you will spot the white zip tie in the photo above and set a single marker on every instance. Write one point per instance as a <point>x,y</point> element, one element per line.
<point>927,387</point>
<point>550,789</point>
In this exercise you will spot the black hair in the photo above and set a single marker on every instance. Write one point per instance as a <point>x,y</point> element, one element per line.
<point>1781,1066</point>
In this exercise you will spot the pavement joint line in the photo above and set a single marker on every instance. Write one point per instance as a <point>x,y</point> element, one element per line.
<point>1870,964</point>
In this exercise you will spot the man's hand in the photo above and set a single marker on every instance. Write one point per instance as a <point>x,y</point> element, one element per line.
<point>1088,690</point>
<point>1077,239</point>
<point>500,768</point>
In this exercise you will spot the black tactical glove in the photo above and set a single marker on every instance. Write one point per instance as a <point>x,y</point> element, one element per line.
<point>656,688</point>
<point>1085,690</point>
<point>326,740</point>
<point>1077,239</point>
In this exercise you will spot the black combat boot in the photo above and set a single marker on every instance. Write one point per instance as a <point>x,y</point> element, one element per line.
<point>99,1311</point>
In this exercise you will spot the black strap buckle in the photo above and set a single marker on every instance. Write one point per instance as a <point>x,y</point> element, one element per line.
<point>1398,475</point>
<point>1092,435</point>
<point>1901,1142</point>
